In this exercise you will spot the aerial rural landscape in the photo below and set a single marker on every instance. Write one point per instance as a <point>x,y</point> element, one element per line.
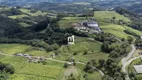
<point>70,40</point>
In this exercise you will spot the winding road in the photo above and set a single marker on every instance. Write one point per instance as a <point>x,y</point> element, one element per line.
<point>127,60</point>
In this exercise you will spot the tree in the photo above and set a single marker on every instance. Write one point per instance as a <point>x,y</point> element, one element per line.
<point>85,53</point>
<point>101,63</point>
<point>113,19</point>
<point>132,75</point>
<point>75,53</point>
<point>130,39</point>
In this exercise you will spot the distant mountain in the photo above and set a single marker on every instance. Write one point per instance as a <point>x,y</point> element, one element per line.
<point>54,1</point>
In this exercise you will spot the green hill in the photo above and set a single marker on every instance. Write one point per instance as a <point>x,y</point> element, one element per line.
<point>104,17</point>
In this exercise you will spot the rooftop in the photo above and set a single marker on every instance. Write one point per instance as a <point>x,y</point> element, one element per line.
<point>92,24</point>
<point>138,68</point>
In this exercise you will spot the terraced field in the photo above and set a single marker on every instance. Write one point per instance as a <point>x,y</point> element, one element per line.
<point>103,18</point>
<point>31,71</point>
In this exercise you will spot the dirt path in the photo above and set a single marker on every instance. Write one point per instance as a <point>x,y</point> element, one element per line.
<point>60,61</point>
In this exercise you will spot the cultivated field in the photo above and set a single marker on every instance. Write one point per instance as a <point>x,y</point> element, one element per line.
<point>104,17</point>
<point>13,48</point>
<point>31,71</point>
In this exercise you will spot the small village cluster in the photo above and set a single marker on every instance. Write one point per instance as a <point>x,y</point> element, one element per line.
<point>34,59</point>
<point>90,26</point>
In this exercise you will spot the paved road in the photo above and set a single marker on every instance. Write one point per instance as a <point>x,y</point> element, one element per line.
<point>125,61</point>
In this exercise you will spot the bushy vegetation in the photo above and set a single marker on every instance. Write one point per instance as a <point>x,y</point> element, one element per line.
<point>113,45</point>
<point>112,69</point>
<point>138,42</point>
<point>5,70</point>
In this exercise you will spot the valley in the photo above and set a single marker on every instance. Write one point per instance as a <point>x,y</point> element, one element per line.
<point>70,40</point>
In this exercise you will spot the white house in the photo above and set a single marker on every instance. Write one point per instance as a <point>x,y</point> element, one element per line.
<point>141,37</point>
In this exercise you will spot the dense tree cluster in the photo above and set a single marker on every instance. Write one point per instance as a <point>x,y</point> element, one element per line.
<point>106,37</point>
<point>116,50</point>
<point>46,31</point>
<point>111,69</point>
<point>138,42</point>
<point>112,45</point>
<point>90,66</point>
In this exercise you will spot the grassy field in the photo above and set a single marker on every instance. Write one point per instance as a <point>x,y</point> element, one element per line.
<point>102,15</point>
<point>37,13</point>
<point>39,53</point>
<point>95,76</point>
<point>103,18</point>
<point>93,49</point>
<point>27,13</point>
<point>18,16</point>
<point>68,21</point>
<point>21,48</point>
<point>32,71</point>
<point>13,48</point>
<point>24,24</point>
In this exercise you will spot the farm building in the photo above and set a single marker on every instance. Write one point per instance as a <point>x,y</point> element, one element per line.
<point>138,68</point>
<point>87,26</point>
<point>141,37</point>
<point>92,25</point>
